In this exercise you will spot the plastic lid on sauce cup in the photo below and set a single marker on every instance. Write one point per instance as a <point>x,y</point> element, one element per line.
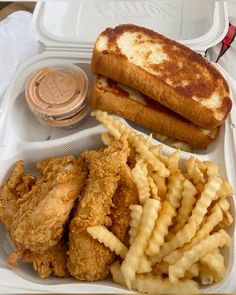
<point>57,93</point>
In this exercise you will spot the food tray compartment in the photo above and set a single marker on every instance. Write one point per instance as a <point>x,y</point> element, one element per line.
<point>35,145</point>
<point>87,139</point>
<point>20,125</point>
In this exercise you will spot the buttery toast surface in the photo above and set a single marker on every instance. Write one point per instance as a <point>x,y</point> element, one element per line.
<point>115,98</point>
<point>164,70</point>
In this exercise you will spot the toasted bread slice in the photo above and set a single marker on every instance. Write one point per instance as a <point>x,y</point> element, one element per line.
<point>112,97</point>
<point>165,71</point>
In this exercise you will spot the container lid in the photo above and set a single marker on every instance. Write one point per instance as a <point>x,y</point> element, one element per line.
<point>74,25</point>
<point>56,93</point>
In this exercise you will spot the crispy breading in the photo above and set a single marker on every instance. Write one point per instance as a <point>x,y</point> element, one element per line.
<point>125,195</point>
<point>52,261</point>
<point>44,210</point>
<point>16,187</point>
<point>88,259</point>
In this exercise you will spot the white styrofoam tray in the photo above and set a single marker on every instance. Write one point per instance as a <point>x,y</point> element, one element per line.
<point>22,137</point>
<point>68,32</point>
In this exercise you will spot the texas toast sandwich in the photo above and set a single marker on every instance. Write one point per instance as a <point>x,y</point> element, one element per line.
<point>110,96</point>
<point>165,71</point>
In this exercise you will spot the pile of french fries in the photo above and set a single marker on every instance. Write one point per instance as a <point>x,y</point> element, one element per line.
<point>178,229</point>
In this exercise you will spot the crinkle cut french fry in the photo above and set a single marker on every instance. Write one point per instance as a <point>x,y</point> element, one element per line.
<point>136,251</point>
<point>194,172</point>
<point>148,283</point>
<point>212,168</point>
<point>227,220</point>
<point>206,198</point>
<point>103,235</point>
<point>108,124</point>
<point>175,188</point>
<point>172,257</point>
<point>107,139</point>
<point>115,127</point>
<point>209,188</point>
<point>160,184</point>
<point>140,178</point>
<point>201,165</point>
<point>187,203</point>
<point>225,190</point>
<point>211,221</point>
<point>227,217</point>
<point>223,203</point>
<point>200,187</point>
<point>116,273</point>
<point>136,214</point>
<point>146,154</point>
<point>157,151</point>
<point>182,237</point>
<point>160,230</point>
<point>173,163</point>
<point>189,230</point>
<point>218,239</point>
<point>210,266</point>
<point>153,188</point>
<point>145,265</point>
<point>213,263</point>
<point>192,272</point>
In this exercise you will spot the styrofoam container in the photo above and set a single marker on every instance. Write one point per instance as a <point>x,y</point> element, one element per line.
<point>198,24</point>
<point>23,137</point>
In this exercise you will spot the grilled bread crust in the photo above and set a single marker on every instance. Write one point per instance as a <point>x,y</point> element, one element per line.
<point>164,70</point>
<point>112,97</point>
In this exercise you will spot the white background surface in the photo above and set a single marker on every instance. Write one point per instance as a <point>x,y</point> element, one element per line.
<point>17,43</point>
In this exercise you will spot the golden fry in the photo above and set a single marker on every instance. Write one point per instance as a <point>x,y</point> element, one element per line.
<point>140,178</point>
<point>161,229</point>
<point>103,235</point>
<point>219,239</point>
<point>136,214</point>
<point>136,251</point>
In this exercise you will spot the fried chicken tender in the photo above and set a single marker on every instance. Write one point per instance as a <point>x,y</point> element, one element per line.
<point>125,195</point>
<point>44,211</point>
<point>16,187</point>
<point>52,261</point>
<point>88,259</point>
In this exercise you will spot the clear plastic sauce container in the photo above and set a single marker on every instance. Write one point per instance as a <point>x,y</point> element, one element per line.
<point>58,96</point>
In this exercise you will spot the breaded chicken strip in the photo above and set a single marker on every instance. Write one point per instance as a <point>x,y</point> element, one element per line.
<point>125,195</point>
<point>88,259</point>
<point>51,261</point>
<point>16,187</point>
<point>44,211</point>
